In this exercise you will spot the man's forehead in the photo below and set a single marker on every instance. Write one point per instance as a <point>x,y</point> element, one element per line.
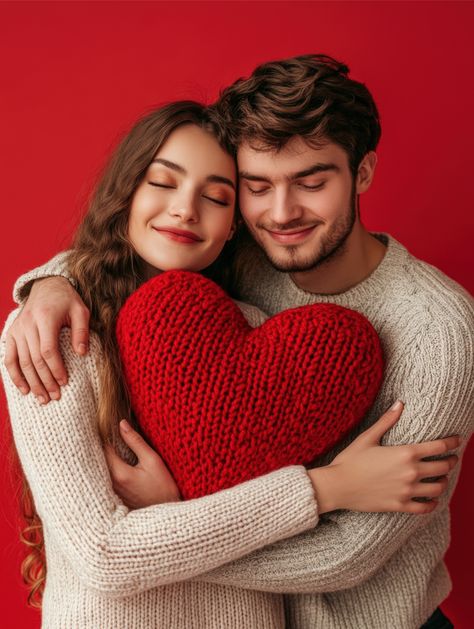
<point>295,155</point>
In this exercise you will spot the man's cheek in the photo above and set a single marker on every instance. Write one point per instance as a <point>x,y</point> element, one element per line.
<point>248,208</point>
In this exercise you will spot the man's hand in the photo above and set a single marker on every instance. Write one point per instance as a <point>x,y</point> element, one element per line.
<point>32,355</point>
<point>147,483</point>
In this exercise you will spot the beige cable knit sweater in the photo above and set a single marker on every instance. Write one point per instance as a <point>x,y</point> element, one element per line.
<point>111,568</point>
<point>365,570</point>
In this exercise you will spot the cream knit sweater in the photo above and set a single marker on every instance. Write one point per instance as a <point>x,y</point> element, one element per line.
<point>365,570</point>
<point>111,568</point>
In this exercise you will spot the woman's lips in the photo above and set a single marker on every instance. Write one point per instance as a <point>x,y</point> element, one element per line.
<point>179,236</point>
<point>297,236</point>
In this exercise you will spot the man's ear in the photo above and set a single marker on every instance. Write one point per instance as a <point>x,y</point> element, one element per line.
<point>365,172</point>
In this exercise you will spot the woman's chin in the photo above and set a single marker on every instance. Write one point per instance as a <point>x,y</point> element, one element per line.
<point>153,270</point>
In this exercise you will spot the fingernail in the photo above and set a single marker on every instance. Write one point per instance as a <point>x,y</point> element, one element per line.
<point>396,406</point>
<point>62,382</point>
<point>41,399</point>
<point>54,395</point>
<point>24,390</point>
<point>124,425</point>
<point>82,348</point>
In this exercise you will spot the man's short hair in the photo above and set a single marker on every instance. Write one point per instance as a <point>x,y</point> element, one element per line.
<point>309,96</point>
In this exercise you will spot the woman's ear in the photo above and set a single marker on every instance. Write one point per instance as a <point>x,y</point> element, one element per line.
<point>233,229</point>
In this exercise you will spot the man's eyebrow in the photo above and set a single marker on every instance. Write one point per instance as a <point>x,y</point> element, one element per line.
<point>312,170</point>
<point>183,171</point>
<point>243,174</point>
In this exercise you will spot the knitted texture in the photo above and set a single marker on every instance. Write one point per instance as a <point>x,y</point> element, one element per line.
<point>377,570</point>
<point>353,571</point>
<point>112,568</point>
<point>223,402</point>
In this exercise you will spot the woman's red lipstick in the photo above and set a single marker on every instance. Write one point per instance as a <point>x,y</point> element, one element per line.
<point>179,235</point>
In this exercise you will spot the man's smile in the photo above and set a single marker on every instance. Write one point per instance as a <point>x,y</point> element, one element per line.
<point>285,236</point>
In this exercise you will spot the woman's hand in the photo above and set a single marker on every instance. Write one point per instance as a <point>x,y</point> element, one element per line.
<point>32,356</point>
<point>149,482</point>
<point>369,477</point>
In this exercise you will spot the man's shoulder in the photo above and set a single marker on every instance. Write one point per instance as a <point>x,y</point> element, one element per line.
<point>426,291</point>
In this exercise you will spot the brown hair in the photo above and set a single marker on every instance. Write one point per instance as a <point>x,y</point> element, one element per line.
<point>107,270</point>
<point>309,96</point>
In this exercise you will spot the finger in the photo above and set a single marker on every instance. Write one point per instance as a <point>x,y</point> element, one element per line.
<point>135,442</point>
<point>116,465</point>
<point>29,371</point>
<point>387,421</point>
<point>42,370</point>
<point>438,447</point>
<point>428,469</point>
<point>13,366</point>
<point>49,347</point>
<point>419,508</point>
<point>430,490</point>
<point>80,329</point>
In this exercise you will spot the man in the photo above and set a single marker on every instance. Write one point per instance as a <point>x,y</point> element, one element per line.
<point>306,137</point>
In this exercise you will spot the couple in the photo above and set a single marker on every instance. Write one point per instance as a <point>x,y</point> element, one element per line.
<point>340,545</point>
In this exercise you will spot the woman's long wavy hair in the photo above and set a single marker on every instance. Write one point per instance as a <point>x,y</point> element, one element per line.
<point>107,270</point>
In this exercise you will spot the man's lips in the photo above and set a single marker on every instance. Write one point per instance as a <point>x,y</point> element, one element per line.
<point>296,235</point>
<point>179,235</point>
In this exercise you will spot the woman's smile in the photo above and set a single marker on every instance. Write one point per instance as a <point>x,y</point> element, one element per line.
<point>178,235</point>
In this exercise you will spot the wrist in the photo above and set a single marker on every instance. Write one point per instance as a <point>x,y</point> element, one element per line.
<point>47,279</point>
<point>327,489</point>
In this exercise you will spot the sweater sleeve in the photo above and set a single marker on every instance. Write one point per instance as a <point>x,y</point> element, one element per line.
<point>55,266</point>
<point>434,376</point>
<point>119,552</point>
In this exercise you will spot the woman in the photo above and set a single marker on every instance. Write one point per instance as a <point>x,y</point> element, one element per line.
<point>112,567</point>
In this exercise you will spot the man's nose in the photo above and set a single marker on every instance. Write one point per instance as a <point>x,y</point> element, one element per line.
<point>284,207</point>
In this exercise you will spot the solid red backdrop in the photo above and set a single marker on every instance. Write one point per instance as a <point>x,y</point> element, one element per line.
<point>75,75</point>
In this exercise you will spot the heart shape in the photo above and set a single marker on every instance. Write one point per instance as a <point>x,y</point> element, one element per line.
<point>222,402</point>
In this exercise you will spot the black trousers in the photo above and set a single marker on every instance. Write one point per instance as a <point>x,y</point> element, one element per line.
<point>438,621</point>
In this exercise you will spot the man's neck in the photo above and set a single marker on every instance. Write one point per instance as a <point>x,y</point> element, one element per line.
<point>360,256</point>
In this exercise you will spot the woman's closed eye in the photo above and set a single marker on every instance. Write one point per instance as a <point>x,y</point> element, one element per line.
<point>217,195</point>
<point>160,184</point>
<point>223,202</point>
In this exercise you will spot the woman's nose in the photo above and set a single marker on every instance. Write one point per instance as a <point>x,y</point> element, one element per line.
<point>186,209</point>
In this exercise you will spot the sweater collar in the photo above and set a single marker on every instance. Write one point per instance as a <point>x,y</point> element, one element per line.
<point>396,255</point>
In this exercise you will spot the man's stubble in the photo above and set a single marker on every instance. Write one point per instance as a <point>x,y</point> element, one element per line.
<point>332,244</point>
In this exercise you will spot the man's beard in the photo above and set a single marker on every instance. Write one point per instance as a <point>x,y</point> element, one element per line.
<point>332,245</point>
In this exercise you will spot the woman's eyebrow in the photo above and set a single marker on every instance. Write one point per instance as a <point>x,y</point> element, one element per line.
<point>183,171</point>
<point>171,165</point>
<point>219,179</point>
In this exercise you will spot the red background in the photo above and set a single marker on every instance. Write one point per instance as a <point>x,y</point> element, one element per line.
<point>76,74</point>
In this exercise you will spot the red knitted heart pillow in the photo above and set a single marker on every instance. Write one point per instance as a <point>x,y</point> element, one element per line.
<point>222,402</point>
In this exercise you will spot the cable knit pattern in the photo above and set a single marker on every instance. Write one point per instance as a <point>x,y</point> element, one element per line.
<point>366,570</point>
<point>377,570</point>
<point>109,567</point>
<point>224,403</point>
